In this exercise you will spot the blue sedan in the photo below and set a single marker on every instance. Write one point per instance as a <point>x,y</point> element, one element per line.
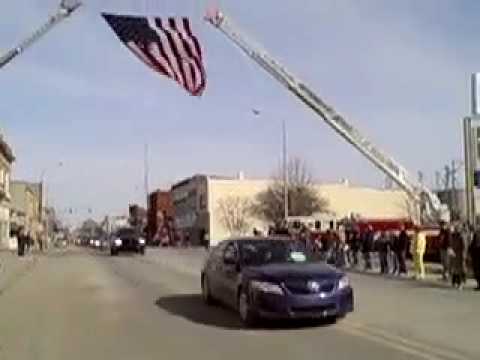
<point>270,278</point>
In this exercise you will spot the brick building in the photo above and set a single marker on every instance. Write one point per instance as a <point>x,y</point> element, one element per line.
<point>160,213</point>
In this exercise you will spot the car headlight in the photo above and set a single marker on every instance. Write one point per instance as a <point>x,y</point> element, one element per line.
<point>118,242</point>
<point>266,287</point>
<point>141,241</point>
<point>343,282</point>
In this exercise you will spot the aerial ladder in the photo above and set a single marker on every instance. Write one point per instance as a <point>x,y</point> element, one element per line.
<point>429,207</point>
<point>65,9</point>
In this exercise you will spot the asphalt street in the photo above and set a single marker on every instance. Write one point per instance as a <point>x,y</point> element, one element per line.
<point>83,304</point>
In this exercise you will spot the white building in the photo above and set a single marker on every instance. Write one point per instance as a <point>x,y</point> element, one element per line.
<point>204,203</point>
<point>6,160</point>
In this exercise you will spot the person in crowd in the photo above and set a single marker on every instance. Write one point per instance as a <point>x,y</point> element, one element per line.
<point>303,237</point>
<point>400,248</point>
<point>458,255</point>
<point>40,242</point>
<point>419,247</point>
<point>474,250</point>
<point>328,242</point>
<point>354,247</point>
<point>317,243</point>
<point>271,231</point>
<point>367,247</point>
<point>444,237</point>
<point>340,247</point>
<point>186,240</point>
<point>392,254</point>
<point>383,248</point>
<point>21,241</point>
<point>333,247</point>
<point>27,241</point>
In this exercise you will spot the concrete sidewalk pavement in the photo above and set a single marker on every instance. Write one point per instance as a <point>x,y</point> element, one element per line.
<point>190,261</point>
<point>12,268</point>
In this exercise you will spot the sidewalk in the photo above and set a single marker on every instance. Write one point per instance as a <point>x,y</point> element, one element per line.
<point>190,261</point>
<point>433,274</point>
<point>13,268</point>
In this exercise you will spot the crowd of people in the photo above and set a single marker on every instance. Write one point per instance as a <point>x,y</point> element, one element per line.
<point>356,249</point>
<point>26,241</point>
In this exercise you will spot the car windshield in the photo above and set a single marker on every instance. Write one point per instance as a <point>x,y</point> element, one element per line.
<point>273,251</point>
<point>125,233</point>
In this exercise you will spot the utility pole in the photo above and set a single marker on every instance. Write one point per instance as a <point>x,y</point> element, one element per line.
<point>438,181</point>
<point>143,226</point>
<point>285,171</point>
<point>471,126</point>
<point>146,175</point>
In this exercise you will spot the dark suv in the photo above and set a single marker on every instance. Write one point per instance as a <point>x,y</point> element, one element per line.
<point>127,239</point>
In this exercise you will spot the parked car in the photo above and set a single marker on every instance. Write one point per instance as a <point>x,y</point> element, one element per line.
<point>127,239</point>
<point>271,278</point>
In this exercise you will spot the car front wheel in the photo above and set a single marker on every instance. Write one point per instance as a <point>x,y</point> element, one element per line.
<point>247,315</point>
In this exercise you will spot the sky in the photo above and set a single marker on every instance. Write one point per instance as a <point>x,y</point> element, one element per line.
<point>397,70</point>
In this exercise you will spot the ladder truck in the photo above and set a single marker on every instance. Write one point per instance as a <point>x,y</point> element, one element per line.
<point>430,209</point>
<point>65,9</point>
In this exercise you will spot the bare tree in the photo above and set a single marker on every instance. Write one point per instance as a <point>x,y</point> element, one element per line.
<point>303,199</point>
<point>234,214</point>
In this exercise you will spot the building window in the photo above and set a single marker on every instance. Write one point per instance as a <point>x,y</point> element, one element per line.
<point>7,182</point>
<point>478,142</point>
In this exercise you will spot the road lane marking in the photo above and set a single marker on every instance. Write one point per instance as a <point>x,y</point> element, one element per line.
<point>386,338</point>
<point>400,343</point>
<point>390,344</point>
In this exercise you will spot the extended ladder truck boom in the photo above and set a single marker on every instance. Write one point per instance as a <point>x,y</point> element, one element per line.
<point>63,12</point>
<point>431,209</point>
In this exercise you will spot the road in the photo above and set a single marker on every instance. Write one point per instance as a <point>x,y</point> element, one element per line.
<point>82,304</point>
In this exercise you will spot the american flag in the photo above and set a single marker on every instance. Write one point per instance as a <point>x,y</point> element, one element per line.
<point>168,46</point>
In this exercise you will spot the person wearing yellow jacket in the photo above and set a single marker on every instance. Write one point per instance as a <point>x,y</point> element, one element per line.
<point>418,251</point>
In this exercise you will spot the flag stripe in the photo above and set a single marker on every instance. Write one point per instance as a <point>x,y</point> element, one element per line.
<point>189,48</point>
<point>177,56</point>
<point>198,49</point>
<point>185,53</point>
<point>156,52</point>
<point>169,52</point>
<point>167,46</point>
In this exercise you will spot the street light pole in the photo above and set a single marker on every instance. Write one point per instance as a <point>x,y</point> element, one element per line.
<point>285,171</point>
<point>44,195</point>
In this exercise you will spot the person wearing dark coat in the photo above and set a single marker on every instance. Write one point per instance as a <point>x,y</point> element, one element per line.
<point>367,247</point>
<point>383,247</point>
<point>22,240</point>
<point>354,244</point>
<point>444,236</point>
<point>458,256</point>
<point>474,250</point>
<point>400,248</point>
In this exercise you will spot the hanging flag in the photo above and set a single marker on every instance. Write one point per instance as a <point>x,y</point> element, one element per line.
<point>168,46</point>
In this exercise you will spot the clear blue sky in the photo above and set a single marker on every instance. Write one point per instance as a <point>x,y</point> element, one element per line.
<point>399,70</point>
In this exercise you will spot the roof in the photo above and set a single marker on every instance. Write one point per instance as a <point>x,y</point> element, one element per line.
<point>34,187</point>
<point>6,150</point>
<point>200,176</point>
